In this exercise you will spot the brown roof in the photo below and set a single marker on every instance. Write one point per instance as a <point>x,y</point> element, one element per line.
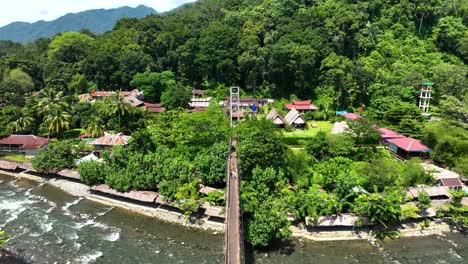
<point>7,165</point>
<point>25,141</point>
<point>275,117</point>
<point>154,108</point>
<point>142,196</point>
<point>198,92</point>
<point>69,174</point>
<point>111,139</point>
<point>434,191</point>
<point>450,182</point>
<point>294,117</point>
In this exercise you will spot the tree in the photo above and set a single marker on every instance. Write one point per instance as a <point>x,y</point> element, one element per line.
<point>210,164</point>
<point>58,121</point>
<point>176,96</point>
<point>22,124</point>
<point>57,156</point>
<point>91,172</point>
<point>383,209</point>
<point>153,84</point>
<point>78,84</point>
<point>424,201</point>
<point>118,106</point>
<point>93,127</point>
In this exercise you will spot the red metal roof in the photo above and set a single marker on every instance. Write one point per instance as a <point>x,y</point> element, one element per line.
<point>409,144</point>
<point>387,133</point>
<point>25,141</point>
<point>450,182</point>
<point>351,116</point>
<point>306,102</point>
<point>111,139</point>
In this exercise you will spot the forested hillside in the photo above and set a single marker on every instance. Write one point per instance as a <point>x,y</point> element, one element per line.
<point>97,20</point>
<point>344,53</point>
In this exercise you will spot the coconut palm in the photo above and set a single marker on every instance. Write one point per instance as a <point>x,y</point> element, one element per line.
<point>118,105</point>
<point>58,121</point>
<point>50,100</point>
<point>94,127</point>
<point>22,124</point>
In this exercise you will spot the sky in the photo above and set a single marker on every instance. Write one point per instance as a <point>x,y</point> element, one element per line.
<point>34,10</point>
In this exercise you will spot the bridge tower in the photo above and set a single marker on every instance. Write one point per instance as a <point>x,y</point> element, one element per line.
<point>234,103</point>
<point>425,96</point>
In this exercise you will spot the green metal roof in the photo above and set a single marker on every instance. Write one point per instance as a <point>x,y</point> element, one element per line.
<point>427,83</point>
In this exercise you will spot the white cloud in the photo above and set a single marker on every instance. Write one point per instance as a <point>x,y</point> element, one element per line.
<point>34,10</point>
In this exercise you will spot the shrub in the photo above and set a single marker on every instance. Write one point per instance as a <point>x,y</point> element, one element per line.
<point>91,172</point>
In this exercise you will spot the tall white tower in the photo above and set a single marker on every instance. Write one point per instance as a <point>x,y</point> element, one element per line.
<point>425,96</point>
<point>234,103</point>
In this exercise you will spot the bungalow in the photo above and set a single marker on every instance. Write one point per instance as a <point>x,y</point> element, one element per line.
<point>26,144</point>
<point>302,106</point>
<point>295,119</point>
<point>451,183</point>
<point>407,147</point>
<point>386,134</point>
<point>276,118</point>
<point>107,141</point>
<point>154,108</point>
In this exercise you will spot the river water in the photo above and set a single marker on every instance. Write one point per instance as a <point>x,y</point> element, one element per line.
<point>50,226</point>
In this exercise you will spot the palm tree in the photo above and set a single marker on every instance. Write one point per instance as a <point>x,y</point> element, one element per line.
<point>22,124</point>
<point>94,127</point>
<point>58,121</point>
<point>118,105</point>
<point>49,100</point>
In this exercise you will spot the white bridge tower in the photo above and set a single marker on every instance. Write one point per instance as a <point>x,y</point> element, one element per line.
<point>425,96</point>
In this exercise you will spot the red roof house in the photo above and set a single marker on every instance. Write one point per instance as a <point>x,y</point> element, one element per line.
<point>408,147</point>
<point>27,144</point>
<point>351,116</point>
<point>302,106</point>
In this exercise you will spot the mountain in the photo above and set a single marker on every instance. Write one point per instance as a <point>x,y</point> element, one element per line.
<point>96,20</point>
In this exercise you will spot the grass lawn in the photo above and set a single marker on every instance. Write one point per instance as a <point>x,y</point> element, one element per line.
<point>293,138</point>
<point>73,133</point>
<point>15,157</point>
<point>324,126</point>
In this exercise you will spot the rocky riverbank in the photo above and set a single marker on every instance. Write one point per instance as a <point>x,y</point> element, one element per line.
<point>82,190</point>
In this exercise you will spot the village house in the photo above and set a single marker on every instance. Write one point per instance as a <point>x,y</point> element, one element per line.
<point>295,119</point>
<point>25,144</point>
<point>302,106</point>
<point>108,140</point>
<point>276,118</point>
<point>407,147</point>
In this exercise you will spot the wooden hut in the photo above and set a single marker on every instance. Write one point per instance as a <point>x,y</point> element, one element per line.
<point>295,119</point>
<point>276,118</point>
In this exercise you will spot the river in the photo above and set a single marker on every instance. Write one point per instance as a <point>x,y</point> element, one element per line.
<point>50,226</point>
